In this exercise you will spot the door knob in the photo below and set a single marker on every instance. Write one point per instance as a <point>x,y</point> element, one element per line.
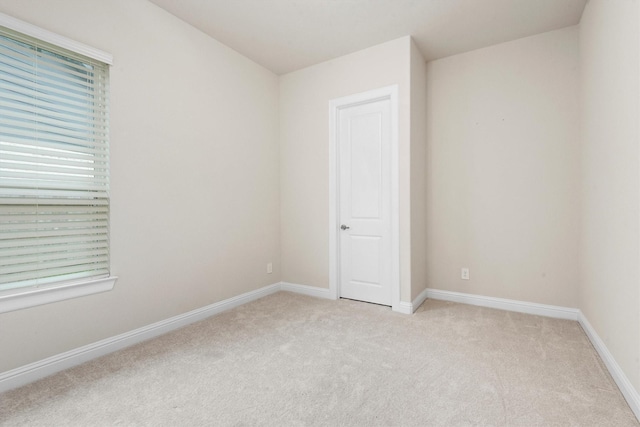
<point>344,227</point>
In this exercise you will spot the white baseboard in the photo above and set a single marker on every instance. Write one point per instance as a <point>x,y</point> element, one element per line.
<point>410,307</point>
<point>311,291</point>
<point>51,365</point>
<point>403,307</point>
<point>419,300</point>
<point>505,304</point>
<point>625,386</point>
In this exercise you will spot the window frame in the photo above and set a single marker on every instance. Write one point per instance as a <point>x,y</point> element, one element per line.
<point>20,298</point>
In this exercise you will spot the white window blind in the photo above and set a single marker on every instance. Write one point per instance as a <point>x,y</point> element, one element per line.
<point>54,164</point>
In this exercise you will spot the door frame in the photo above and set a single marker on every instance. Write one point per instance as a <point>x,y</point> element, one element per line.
<point>335,105</point>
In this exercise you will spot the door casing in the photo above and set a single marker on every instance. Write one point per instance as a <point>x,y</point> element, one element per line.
<point>335,105</point>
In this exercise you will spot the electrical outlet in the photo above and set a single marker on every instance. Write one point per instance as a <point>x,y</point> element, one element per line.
<point>464,273</point>
<point>270,268</point>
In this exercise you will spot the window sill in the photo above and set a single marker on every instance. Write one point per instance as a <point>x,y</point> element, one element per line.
<point>31,297</point>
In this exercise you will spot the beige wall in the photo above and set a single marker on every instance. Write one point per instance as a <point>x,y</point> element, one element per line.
<point>609,249</point>
<point>195,199</point>
<point>503,170</point>
<point>304,155</point>
<point>418,172</point>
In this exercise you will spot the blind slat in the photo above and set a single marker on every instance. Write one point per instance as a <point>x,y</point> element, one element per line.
<point>6,253</point>
<point>49,184</point>
<point>28,217</point>
<point>52,233</point>
<point>51,120</point>
<point>49,150</point>
<point>47,103</point>
<point>29,210</point>
<point>53,275</point>
<point>44,241</point>
<point>47,125</point>
<point>50,160</point>
<point>44,257</point>
<point>61,223</point>
<point>13,102</point>
<point>47,74</point>
<point>75,264</point>
<point>8,196</point>
<point>15,130</point>
<point>15,81</point>
<point>40,168</point>
<point>69,265</point>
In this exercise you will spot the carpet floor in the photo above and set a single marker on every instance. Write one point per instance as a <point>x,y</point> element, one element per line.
<point>292,360</point>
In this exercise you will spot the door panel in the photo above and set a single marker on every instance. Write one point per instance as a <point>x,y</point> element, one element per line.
<point>366,168</point>
<point>363,249</point>
<point>365,202</point>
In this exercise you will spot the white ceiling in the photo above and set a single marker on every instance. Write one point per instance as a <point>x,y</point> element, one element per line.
<point>286,35</point>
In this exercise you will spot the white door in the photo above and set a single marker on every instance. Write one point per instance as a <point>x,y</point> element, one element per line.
<point>364,149</point>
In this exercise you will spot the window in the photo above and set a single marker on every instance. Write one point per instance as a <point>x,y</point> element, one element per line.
<point>54,167</point>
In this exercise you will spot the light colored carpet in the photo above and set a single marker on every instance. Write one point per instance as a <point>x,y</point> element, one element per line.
<point>294,360</point>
